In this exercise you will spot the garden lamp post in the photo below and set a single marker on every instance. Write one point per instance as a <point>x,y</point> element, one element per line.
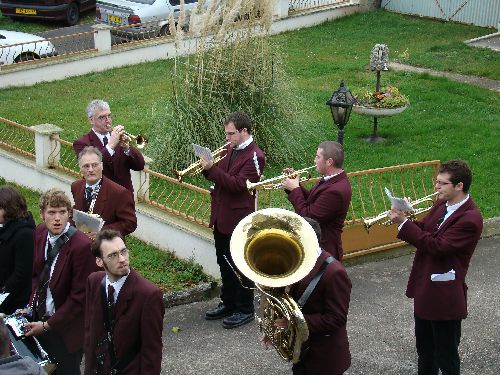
<point>341,104</point>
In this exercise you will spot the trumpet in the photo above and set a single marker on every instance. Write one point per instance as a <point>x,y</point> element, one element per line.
<point>382,219</point>
<point>269,185</point>
<point>139,139</point>
<point>196,167</point>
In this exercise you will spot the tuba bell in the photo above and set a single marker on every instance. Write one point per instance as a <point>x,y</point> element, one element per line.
<point>275,248</point>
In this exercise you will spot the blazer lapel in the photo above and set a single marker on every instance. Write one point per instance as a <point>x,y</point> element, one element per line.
<point>462,209</point>
<point>126,293</point>
<point>94,140</point>
<point>102,197</point>
<point>62,258</point>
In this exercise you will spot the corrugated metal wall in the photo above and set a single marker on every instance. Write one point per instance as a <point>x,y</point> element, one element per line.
<point>476,12</point>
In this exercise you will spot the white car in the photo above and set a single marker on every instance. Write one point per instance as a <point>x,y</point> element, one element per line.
<point>148,17</point>
<point>16,47</point>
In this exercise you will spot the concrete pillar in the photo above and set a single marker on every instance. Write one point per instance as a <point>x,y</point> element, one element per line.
<point>281,9</point>
<point>102,37</point>
<point>47,150</point>
<point>140,181</point>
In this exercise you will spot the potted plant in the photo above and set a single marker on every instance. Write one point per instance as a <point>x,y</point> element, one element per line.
<point>387,101</point>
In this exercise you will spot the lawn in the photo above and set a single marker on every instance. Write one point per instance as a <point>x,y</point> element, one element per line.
<point>446,120</point>
<point>163,268</point>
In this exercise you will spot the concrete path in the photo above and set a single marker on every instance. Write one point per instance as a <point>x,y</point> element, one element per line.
<point>380,327</point>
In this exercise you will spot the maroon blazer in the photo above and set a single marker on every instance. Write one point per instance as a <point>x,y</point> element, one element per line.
<point>73,265</point>
<point>439,251</point>
<point>114,203</point>
<point>327,203</point>
<point>117,167</point>
<point>139,314</point>
<point>326,351</point>
<point>231,200</point>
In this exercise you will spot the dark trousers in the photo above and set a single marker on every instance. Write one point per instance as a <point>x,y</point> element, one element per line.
<point>67,363</point>
<point>300,369</point>
<point>233,294</point>
<point>437,346</point>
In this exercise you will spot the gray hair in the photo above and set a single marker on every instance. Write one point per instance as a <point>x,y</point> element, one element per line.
<point>90,150</point>
<point>95,105</point>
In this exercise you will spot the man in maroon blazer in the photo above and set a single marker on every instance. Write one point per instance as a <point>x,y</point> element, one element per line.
<point>134,307</point>
<point>445,240</point>
<point>326,352</point>
<point>118,156</point>
<point>231,201</point>
<point>328,201</point>
<point>112,202</point>
<point>62,262</point>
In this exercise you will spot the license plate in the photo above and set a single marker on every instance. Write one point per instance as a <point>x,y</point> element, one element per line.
<point>115,19</point>
<point>25,11</point>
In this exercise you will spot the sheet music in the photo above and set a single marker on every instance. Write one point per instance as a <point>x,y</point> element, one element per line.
<point>201,151</point>
<point>3,296</point>
<point>398,203</point>
<point>86,222</point>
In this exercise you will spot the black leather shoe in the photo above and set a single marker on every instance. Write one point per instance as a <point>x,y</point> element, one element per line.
<point>218,312</point>
<point>237,319</point>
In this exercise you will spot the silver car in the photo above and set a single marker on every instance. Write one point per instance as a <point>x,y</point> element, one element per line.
<point>140,18</point>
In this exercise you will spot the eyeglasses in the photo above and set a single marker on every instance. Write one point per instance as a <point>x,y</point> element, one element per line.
<point>114,256</point>
<point>104,117</point>
<point>442,183</point>
<point>93,165</point>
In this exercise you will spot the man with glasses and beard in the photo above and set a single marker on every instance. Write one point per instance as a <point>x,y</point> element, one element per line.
<point>445,240</point>
<point>123,314</point>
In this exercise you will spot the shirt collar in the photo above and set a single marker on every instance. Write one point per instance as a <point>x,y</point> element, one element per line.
<point>93,186</point>
<point>456,206</point>
<point>117,285</point>
<point>101,136</point>
<point>53,239</point>
<point>326,178</point>
<point>244,144</point>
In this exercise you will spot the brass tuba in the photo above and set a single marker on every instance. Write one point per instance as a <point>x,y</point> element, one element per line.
<point>274,248</point>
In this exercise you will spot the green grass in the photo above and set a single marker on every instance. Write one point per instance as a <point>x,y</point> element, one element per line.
<point>445,120</point>
<point>39,26</point>
<point>161,267</point>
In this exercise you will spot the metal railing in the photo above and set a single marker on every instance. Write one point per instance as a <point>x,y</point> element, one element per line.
<point>16,137</point>
<point>296,6</point>
<point>65,156</point>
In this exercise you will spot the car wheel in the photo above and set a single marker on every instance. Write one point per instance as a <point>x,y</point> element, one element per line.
<point>72,14</point>
<point>26,56</point>
<point>165,30</point>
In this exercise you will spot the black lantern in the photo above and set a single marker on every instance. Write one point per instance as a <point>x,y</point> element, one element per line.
<point>341,104</point>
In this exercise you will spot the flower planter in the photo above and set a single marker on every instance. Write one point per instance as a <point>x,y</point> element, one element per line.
<point>377,112</point>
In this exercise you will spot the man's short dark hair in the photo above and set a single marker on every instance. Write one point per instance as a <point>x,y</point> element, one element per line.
<point>103,235</point>
<point>315,225</point>
<point>459,172</point>
<point>4,340</point>
<point>333,150</point>
<point>13,203</point>
<point>240,121</point>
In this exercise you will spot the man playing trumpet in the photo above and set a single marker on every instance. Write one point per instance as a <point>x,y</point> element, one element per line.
<point>328,201</point>
<point>118,156</point>
<point>445,240</point>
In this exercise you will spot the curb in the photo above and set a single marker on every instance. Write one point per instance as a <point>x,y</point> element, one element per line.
<point>211,290</point>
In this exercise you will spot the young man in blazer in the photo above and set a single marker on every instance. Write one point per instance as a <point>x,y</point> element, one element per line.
<point>134,309</point>
<point>328,201</point>
<point>118,156</point>
<point>231,201</point>
<point>445,240</point>
<point>112,202</point>
<point>58,283</point>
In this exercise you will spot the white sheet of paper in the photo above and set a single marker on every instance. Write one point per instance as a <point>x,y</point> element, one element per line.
<point>447,276</point>
<point>86,222</point>
<point>3,296</point>
<point>201,151</point>
<point>398,203</point>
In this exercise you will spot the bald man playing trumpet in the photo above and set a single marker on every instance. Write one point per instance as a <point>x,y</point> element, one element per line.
<point>118,156</point>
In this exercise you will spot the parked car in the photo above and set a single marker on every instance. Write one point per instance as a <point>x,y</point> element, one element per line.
<point>16,47</point>
<point>50,10</point>
<point>148,17</point>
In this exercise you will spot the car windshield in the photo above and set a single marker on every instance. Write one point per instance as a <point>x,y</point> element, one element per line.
<point>143,1</point>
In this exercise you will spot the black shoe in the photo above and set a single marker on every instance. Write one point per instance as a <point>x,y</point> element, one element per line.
<point>237,319</point>
<point>218,312</point>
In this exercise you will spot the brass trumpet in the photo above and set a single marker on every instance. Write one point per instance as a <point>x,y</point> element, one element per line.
<point>196,167</point>
<point>382,219</point>
<point>269,185</point>
<point>140,140</point>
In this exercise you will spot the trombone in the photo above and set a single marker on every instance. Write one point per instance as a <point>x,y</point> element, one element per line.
<point>139,139</point>
<point>382,219</point>
<point>269,185</point>
<point>196,167</point>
